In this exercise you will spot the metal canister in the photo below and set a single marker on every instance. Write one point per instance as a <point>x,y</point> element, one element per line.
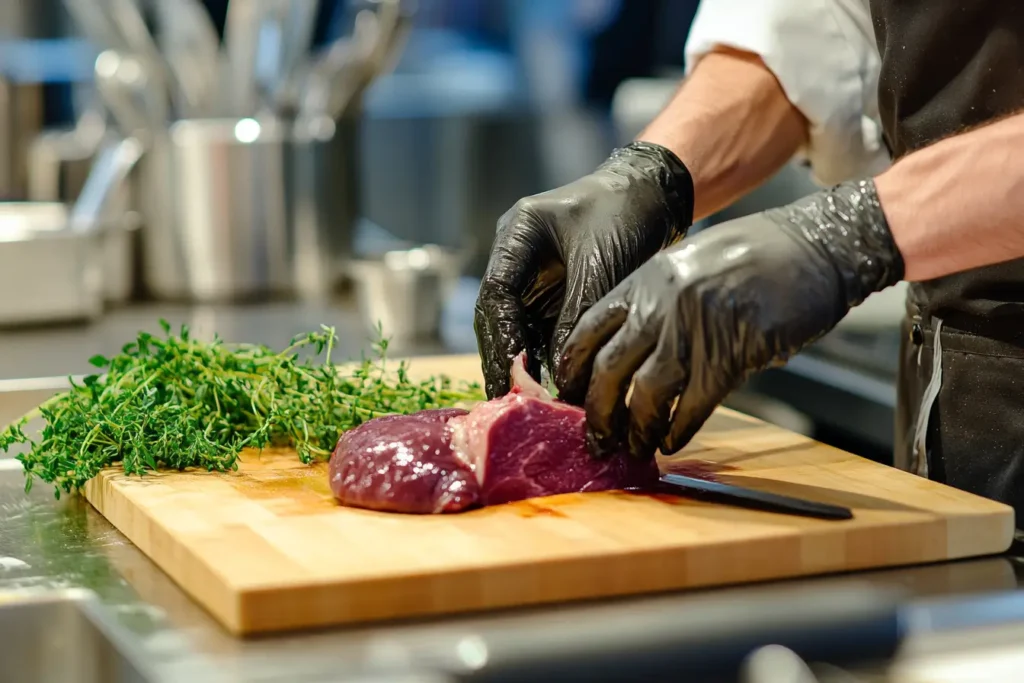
<point>243,209</point>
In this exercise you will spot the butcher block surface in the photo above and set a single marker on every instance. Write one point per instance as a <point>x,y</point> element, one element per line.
<point>267,549</point>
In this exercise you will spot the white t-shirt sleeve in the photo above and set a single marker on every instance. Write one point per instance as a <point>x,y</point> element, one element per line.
<point>824,55</point>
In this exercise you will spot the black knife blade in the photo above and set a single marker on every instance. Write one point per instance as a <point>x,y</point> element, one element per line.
<point>772,502</point>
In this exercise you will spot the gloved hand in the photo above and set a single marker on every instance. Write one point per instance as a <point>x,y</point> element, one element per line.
<point>699,318</point>
<point>555,254</point>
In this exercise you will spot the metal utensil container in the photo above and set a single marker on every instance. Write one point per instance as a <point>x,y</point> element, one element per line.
<point>404,292</point>
<point>242,209</point>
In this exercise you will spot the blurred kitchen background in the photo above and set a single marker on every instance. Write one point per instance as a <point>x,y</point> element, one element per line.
<point>257,168</point>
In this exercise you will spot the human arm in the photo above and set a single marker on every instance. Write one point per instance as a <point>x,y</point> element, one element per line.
<point>557,253</point>
<point>958,204</point>
<point>699,318</point>
<point>731,125</point>
<point>792,74</point>
<point>824,56</point>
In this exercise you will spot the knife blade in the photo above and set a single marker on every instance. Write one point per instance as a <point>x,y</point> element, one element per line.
<point>772,502</point>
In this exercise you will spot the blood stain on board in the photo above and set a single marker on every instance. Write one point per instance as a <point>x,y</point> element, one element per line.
<point>532,508</point>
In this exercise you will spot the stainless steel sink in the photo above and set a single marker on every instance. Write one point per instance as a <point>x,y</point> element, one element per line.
<point>63,636</point>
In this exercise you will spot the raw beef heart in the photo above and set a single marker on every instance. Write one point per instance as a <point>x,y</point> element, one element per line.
<point>523,445</point>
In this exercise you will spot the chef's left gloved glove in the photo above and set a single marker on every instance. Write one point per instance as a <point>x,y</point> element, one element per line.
<point>699,318</point>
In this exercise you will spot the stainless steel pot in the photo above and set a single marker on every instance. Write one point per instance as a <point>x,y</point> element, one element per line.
<point>244,208</point>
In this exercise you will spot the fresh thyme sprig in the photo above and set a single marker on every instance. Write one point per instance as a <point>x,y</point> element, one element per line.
<point>177,402</point>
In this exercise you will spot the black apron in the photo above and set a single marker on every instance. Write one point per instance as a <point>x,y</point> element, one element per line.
<point>950,65</point>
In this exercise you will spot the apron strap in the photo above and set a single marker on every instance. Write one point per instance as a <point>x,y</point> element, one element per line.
<point>919,455</point>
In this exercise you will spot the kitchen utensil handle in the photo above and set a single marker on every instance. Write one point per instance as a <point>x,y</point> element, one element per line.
<point>765,500</point>
<point>241,42</point>
<point>95,24</point>
<point>112,165</point>
<point>115,94</point>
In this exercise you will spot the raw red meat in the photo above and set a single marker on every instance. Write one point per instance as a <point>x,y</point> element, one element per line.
<point>403,463</point>
<point>523,445</point>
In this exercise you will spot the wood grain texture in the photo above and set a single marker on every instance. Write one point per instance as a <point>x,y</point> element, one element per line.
<point>267,548</point>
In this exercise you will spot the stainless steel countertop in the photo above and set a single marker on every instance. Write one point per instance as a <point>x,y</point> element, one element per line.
<point>46,544</point>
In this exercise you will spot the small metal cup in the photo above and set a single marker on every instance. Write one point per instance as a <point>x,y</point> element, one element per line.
<point>404,292</point>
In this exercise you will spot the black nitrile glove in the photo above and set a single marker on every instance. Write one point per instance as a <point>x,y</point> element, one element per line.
<point>557,253</point>
<point>699,318</point>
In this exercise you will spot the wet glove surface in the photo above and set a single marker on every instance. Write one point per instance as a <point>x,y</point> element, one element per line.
<point>555,254</point>
<point>700,317</point>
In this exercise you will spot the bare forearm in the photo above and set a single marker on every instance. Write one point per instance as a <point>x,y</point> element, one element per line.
<point>958,204</point>
<point>732,126</point>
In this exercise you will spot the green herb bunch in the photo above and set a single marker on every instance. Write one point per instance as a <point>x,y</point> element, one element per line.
<point>177,402</point>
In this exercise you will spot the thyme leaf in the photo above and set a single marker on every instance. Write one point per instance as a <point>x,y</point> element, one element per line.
<point>176,402</point>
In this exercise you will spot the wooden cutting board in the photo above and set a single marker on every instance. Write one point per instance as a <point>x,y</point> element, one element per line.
<point>267,549</point>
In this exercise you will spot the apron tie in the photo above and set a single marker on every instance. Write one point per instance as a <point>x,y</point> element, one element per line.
<point>919,455</point>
